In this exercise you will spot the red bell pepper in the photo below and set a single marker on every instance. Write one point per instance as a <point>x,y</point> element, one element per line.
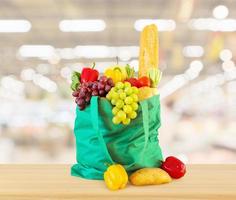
<point>174,167</point>
<point>134,82</point>
<point>89,74</point>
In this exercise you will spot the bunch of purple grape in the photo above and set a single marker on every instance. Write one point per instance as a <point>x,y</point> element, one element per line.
<point>88,89</point>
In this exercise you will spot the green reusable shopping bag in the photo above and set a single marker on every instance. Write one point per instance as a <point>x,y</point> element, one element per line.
<point>100,142</point>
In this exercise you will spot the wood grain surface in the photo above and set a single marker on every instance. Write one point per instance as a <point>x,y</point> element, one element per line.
<point>24,182</point>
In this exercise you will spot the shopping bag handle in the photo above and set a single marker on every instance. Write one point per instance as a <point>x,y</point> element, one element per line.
<point>145,112</point>
<point>94,116</point>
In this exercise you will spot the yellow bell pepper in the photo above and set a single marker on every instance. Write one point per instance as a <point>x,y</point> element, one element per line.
<point>115,177</point>
<point>116,73</point>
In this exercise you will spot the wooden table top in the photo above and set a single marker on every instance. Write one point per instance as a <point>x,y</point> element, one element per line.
<point>24,182</point>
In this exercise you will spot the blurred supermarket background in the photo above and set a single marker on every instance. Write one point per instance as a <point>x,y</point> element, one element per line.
<point>42,42</point>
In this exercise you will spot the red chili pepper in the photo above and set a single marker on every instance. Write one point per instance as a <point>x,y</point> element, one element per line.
<point>134,82</point>
<point>144,81</point>
<point>174,167</point>
<point>89,74</point>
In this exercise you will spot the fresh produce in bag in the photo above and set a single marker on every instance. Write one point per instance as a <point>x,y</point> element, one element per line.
<point>87,84</point>
<point>124,99</point>
<point>117,122</point>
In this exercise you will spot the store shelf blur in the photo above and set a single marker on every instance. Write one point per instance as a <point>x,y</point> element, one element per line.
<point>42,42</point>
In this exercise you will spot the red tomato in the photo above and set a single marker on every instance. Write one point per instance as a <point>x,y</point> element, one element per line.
<point>134,82</point>
<point>144,81</point>
<point>174,167</point>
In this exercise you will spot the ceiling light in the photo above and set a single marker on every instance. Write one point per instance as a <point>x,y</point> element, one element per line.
<point>162,24</point>
<point>226,55</point>
<point>211,24</point>
<point>220,12</point>
<point>92,51</point>
<point>14,26</point>
<point>125,53</point>
<point>193,51</point>
<point>66,53</point>
<point>133,50</point>
<point>40,51</point>
<point>86,25</point>
<point>102,51</point>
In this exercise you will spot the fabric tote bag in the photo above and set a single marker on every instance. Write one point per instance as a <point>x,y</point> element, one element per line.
<point>99,142</point>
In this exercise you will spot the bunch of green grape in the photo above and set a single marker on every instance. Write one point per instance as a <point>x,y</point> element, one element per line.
<point>124,98</point>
